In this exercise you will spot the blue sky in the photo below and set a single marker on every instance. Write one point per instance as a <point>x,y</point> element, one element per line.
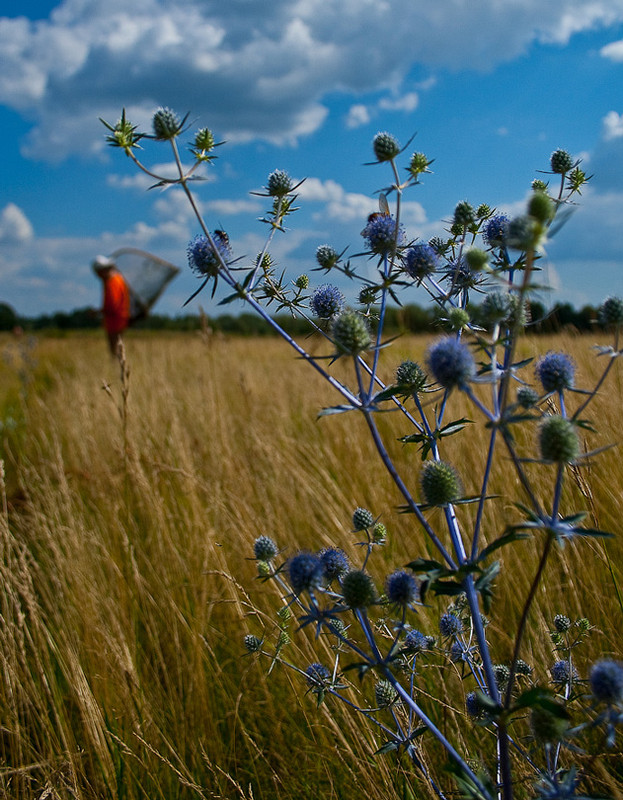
<point>489,87</point>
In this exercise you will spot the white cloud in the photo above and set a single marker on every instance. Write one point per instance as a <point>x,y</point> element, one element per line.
<point>613,51</point>
<point>613,125</point>
<point>252,74</point>
<point>357,116</point>
<point>15,227</point>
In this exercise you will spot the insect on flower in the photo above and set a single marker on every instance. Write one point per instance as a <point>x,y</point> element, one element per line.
<point>382,212</point>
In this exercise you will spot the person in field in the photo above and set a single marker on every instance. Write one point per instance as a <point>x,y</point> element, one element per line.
<point>116,306</point>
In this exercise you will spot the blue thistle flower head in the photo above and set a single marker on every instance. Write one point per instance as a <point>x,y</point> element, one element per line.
<point>334,563</point>
<point>450,624</point>
<point>317,675</point>
<point>415,641</point>
<point>562,672</point>
<point>451,363</point>
<point>203,258</point>
<point>496,230</point>
<point>473,705</point>
<point>401,588</point>
<point>304,571</point>
<point>421,260</point>
<point>606,681</point>
<point>327,301</point>
<point>556,371</point>
<point>381,234</point>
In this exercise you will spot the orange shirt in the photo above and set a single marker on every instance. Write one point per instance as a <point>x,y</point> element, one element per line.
<point>116,303</point>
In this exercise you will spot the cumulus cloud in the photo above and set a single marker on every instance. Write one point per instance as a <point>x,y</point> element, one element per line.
<point>613,51</point>
<point>613,125</point>
<point>252,74</point>
<point>15,227</point>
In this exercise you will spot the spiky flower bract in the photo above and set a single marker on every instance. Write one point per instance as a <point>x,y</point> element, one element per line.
<point>351,333</point>
<point>450,624</point>
<point>279,183</point>
<point>606,681</point>
<point>358,589</point>
<point>264,548</point>
<point>401,588</point>
<point>451,362</point>
<point>556,371</point>
<point>166,124</point>
<point>440,483</point>
<point>561,161</point>
<point>411,377</point>
<point>362,519</point>
<point>304,572</point>
<point>558,440</point>
<point>326,301</point>
<point>420,260</point>
<point>334,563</point>
<point>496,230</point>
<point>382,235</point>
<point>385,146</point>
<point>203,259</point>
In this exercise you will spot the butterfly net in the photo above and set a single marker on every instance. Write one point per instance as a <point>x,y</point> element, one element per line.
<point>146,275</point>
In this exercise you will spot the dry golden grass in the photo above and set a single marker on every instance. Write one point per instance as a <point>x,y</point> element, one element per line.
<point>127,584</point>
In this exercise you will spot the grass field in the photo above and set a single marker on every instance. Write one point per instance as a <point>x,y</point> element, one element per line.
<point>127,581</point>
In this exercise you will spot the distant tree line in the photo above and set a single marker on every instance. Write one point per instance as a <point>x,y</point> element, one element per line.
<point>404,319</point>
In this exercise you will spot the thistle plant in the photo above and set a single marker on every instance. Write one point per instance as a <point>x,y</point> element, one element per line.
<point>371,653</point>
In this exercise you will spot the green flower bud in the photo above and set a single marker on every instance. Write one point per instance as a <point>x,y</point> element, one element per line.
<point>527,397</point>
<point>358,590</point>
<point>302,282</point>
<point>496,307</point>
<point>204,140</point>
<point>284,614</point>
<point>583,624</point>
<point>458,318</point>
<point>263,569</point>
<point>562,623</point>
<point>411,377</point>
<point>252,643</point>
<point>464,215</point>
<point>521,668</point>
<point>440,483</point>
<point>379,533</point>
<point>351,333</point>
<point>539,186</point>
<point>283,639</point>
<point>362,519</point>
<point>279,183</point>
<point>524,233</point>
<point>476,258</point>
<point>326,256</point>
<point>418,164</point>
<point>166,124</point>
<point>558,440</point>
<point>611,312</point>
<point>385,694</point>
<point>385,146</point>
<point>483,211</point>
<point>561,162</point>
<point>541,207</point>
